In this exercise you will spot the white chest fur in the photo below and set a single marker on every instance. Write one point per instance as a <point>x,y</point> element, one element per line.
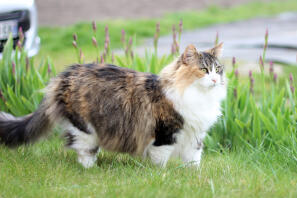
<point>199,108</point>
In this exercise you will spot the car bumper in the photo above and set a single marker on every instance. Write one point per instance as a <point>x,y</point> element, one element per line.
<point>25,13</point>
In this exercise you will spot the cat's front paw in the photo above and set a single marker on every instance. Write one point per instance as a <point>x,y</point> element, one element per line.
<point>193,164</point>
<point>192,157</point>
<point>87,161</point>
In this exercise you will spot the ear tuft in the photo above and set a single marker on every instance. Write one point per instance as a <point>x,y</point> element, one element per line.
<point>189,55</point>
<point>217,50</point>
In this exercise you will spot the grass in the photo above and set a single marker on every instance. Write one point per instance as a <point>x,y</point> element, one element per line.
<point>57,41</point>
<point>246,154</point>
<point>47,170</point>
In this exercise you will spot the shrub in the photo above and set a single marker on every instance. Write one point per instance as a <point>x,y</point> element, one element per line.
<point>267,119</point>
<point>21,82</point>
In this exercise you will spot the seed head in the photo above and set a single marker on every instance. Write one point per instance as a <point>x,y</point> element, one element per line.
<point>101,59</point>
<point>275,77</point>
<point>174,33</point>
<point>266,34</point>
<point>129,46</point>
<point>235,92</point>
<point>104,55</point>
<point>106,29</point>
<point>74,37</point>
<point>180,29</point>
<point>252,82</point>
<point>180,26</point>
<point>105,46</point>
<point>81,55</point>
<point>107,40</point>
<point>233,62</point>
<point>19,44</point>
<point>21,34</point>
<point>236,73</point>
<point>2,96</point>
<point>156,36</point>
<point>292,83</point>
<point>49,70</point>
<point>250,73</point>
<point>74,44</point>
<point>123,37</point>
<point>13,68</point>
<point>132,54</point>
<point>130,41</point>
<point>266,40</point>
<point>291,78</point>
<point>94,41</point>
<point>177,47</point>
<point>217,38</point>
<point>94,26</point>
<point>261,63</point>
<point>158,28</point>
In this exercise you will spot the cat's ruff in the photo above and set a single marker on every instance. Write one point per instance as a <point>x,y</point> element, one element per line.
<point>117,109</point>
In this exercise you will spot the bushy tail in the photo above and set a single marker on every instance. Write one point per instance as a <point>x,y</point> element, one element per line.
<point>23,130</point>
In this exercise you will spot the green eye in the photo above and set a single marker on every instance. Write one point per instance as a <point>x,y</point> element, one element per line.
<point>217,69</point>
<point>204,70</point>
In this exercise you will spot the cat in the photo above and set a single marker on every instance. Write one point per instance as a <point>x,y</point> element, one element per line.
<point>102,106</point>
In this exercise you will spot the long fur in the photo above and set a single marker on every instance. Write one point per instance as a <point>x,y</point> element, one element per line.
<point>27,129</point>
<point>118,109</point>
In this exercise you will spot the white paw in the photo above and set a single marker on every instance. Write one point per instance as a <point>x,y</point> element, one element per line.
<point>87,161</point>
<point>159,155</point>
<point>195,164</point>
<point>192,157</point>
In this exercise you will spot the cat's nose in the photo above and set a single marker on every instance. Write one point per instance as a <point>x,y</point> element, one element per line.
<point>214,80</point>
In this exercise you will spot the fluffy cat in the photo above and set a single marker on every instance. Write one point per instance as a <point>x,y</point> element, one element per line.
<point>121,110</point>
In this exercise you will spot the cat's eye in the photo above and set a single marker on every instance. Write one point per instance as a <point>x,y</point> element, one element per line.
<point>204,70</point>
<point>217,70</point>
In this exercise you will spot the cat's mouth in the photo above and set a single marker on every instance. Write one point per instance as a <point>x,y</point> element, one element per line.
<point>217,84</point>
<point>213,85</point>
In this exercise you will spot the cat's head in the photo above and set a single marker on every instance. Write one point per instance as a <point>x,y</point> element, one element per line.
<point>199,68</point>
<point>204,65</point>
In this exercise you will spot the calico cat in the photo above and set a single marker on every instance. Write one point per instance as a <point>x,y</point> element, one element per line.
<point>121,110</point>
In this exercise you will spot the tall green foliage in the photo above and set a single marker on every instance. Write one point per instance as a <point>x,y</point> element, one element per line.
<point>265,120</point>
<point>259,120</point>
<point>21,82</point>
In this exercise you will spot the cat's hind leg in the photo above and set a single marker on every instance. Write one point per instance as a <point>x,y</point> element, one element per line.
<point>85,144</point>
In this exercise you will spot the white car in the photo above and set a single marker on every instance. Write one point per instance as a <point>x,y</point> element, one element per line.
<point>15,14</point>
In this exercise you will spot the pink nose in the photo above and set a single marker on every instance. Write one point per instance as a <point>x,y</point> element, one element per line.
<point>214,80</point>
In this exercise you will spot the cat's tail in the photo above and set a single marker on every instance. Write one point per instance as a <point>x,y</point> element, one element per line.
<point>15,131</point>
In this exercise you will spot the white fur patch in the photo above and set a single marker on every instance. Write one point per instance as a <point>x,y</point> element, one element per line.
<point>160,154</point>
<point>200,109</point>
<point>86,160</point>
<point>7,116</point>
<point>83,144</point>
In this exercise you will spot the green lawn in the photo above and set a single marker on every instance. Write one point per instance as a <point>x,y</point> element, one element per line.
<point>259,131</point>
<point>56,42</point>
<point>48,170</point>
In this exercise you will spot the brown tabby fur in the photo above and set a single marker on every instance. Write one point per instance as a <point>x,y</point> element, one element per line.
<point>124,106</point>
<point>127,109</point>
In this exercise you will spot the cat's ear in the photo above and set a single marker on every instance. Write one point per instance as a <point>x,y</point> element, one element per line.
<point>190,55</point>
<point>217,50</point>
